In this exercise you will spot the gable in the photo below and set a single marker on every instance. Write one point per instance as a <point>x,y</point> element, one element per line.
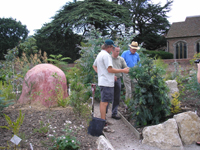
<point>190,27</point>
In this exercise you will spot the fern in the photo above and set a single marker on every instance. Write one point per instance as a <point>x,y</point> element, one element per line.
<point>14,126</point>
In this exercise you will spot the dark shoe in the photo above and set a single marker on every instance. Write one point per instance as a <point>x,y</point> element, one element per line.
<point>116,117</point>
<point>198,143</point>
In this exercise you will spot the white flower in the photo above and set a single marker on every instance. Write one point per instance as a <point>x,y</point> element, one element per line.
<point>50,135</point>
<point>69,122</point>
<point>72,141</point>
<point>66,141</point>
<point>63,137</point>
<point>54,131</point>
<point>81,126</point>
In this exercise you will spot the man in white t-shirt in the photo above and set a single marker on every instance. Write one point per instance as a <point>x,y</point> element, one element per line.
<point>104,68</point>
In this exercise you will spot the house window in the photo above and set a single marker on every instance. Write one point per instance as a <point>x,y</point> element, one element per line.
<point>197,47</point>
<point>181,50</point>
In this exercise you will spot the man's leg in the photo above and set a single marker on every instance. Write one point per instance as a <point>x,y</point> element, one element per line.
<point>117,92</point>
<point>103,106</point>
<point>106,97</point>
<point>127,84</point>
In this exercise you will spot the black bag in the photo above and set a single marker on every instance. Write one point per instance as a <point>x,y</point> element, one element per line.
<point>96,124</point>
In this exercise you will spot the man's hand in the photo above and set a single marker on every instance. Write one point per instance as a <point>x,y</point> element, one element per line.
<point>115,78</point>
<point>126,70</point>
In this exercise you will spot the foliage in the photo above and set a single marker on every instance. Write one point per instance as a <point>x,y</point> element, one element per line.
<point>59,61</point>
<point>60,92</point>
<point>159,54</point>
<point>7,67</point>
<point>7,91</point>
<point>12,32</point>
<point>43,130</point>
<point>14,126</point>
<point>26,62</point>
<point>150,22</point>
<point>159,63</point>
<point>195,57</point>
<point>4,103</point>
<point>79,97</point>
<point>175,103</point>
<point>103,15</point>
<point>193,86</point>
<point>54,39</point>
<point>150,102</point>
<point>67,141</point>
<point>29,46</point>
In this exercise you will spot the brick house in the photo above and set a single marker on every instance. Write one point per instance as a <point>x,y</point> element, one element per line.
<point>183,38</point>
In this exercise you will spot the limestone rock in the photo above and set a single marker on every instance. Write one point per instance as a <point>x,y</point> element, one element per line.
<point>163,136</point>
<point>173,86</point>
<point>103,144</point>
<point>189,127</point>
<point>42,84</point>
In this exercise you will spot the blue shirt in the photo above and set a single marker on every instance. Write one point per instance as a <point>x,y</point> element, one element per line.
<point>131,59</point>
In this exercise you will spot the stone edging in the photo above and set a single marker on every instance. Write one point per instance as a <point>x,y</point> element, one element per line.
<point>137,134</point>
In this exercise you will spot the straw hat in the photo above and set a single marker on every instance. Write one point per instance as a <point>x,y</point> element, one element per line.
<point>134,45</point>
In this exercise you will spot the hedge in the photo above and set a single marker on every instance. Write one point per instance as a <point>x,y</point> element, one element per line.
<point>159,54</point>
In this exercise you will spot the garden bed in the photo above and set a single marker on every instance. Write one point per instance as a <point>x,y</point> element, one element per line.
<point>57,117</point>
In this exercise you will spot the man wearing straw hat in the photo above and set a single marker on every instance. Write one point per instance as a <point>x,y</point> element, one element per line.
<point>132,58</point>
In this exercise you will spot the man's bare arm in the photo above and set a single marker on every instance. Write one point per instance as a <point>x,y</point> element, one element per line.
<point>95,68</point>
<point>113,70</point>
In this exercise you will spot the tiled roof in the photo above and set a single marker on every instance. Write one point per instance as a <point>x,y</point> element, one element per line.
<point>190,27</point>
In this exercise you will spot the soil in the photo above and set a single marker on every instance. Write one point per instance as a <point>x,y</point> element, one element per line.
<point>56,117</point>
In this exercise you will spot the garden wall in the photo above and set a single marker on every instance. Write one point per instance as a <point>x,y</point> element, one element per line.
<point>184,63</point>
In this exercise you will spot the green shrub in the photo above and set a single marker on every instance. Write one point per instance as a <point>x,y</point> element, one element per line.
<point>159,54</point>
<point>4,103</point>
<point>14,126</point>
<point>7,91</point>
<point>175,103</point>
<point>79,97</point>
<point>150,102</point>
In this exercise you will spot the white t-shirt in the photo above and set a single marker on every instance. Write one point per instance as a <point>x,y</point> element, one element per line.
<point>103,61</point>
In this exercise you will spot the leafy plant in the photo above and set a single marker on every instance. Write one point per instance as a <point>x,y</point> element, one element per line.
<point>4,103</point>
<point>60,92</point>
<point>175,103</point>
<point>14,126</point>
<point>150,102</point>
<point>43,130</point>
<point>59,61</point>
<point>67,141</point>
<point>7,91</point>
<point>79,97</point>
<point>195,57</point>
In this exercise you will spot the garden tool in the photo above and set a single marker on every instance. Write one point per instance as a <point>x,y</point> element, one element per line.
<point>96,124</point>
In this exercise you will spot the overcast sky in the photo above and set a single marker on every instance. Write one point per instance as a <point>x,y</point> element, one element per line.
<point>34,13</point>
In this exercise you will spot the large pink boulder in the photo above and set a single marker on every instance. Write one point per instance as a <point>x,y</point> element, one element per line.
<point>44,83</point>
